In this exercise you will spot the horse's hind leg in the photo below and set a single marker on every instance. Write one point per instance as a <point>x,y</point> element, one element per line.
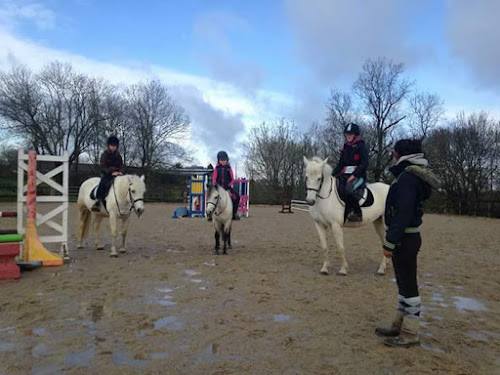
<point>322,240</point>
<point>229,246</point>
<point>338,234</point>
<point>113,223</point>
<point>380,228</point>
<point>97,232</point>
<point>217,242</point>
<point>224,238</point>
<point>125,223</point>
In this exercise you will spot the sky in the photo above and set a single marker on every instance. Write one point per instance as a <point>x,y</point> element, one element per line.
<point>235,64</point>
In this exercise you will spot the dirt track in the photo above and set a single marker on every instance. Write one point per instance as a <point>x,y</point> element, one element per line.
<point>169,306</point>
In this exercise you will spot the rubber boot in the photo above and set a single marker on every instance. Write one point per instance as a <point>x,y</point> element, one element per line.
<point>409,333</point>
<point>392,329</point>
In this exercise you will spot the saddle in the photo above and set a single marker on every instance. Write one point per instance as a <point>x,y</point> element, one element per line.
<point>93,195</point>
<point>363,195</point>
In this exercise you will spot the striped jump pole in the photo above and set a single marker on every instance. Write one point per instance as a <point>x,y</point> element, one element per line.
<point>34,251</point>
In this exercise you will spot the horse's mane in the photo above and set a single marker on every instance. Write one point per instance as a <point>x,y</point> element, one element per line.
<point>327,169</point>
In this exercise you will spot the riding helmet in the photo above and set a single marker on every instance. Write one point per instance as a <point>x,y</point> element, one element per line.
<point>222,155</point>
<point>113,140</point>
<point>351,128</point>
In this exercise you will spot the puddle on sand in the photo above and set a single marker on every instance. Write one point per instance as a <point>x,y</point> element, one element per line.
<point>171,323</point>
<point>41,350</point>
<point>471,304</point>
<point>39,331</point>
<point>197,281</point>
<point>80,359</point>
<point>166,299</point>
<point>121,358</point>
<point>47,370</point>
<point>431,348</point>
<point>478,336</point>
<point>166,302</point>
<point>438,297</point>
<point>281,318</point>
<point>159,355</point>
<point>423,324</point>
<point>6,347</point>
<point>191,272</point>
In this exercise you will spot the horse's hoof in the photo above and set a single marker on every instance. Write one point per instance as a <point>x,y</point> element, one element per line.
<point>323,272</point>
<point>380,273</point>
<point>79,247</point>
<point>123,250</point>
<point>100,247</point>
<point>216,252</point>
<point>342,273</point>
<point>224,253</point>
<point>230,247</point>
<point>114,255</point>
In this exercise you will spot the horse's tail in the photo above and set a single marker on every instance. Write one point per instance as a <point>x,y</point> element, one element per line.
<point>84,216</point>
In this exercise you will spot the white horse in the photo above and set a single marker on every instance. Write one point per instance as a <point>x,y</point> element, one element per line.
<point>327,210</point>
<point>220,207</point>
<point>126,194</point>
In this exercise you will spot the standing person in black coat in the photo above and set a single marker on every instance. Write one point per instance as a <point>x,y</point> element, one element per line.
<point>351,170</point>
<point>111,166</point>
<point>403,217</point>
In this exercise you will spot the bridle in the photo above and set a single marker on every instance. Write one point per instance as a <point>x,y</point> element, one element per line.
<point>216,204</point>
<point>320,186</point>
<point>131,198</point>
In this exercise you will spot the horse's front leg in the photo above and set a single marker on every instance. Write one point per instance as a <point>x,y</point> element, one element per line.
<point>229,246</point>
<point>322,240</point>
<point>224,238</point>
<point>113,220</point>
<point>125,224</point>
<point>338,234</point>
<point>97,232</point>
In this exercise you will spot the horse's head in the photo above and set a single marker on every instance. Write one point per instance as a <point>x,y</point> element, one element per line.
<point>213,199</point>
<point>315,172</point>
<point>137,188</point>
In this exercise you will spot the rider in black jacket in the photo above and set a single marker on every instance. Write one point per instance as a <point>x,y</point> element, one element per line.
<point>351,169</point>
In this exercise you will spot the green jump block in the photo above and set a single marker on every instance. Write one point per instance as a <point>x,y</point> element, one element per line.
<point>11,238</point>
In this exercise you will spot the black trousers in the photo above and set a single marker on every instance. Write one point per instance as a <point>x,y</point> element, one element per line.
<point>404,260</point>
<point>235,197</point>
<point>104,185</point>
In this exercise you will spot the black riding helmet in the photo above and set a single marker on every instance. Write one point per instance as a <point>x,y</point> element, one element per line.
<point>113,140</point>
<point>222,155</point>
<point>351,128</point>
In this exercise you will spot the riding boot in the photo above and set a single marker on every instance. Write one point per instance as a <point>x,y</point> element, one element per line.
<point>409,333</point>
<point>97,206</point>
<point>235,212</point>
<point>394,328</point>
<point>355,216</point>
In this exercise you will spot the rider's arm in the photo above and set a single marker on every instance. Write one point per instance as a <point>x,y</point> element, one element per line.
<point>214,177</point>
<point>231,177</point>
<point>105,168</point>
<point>363,163</point>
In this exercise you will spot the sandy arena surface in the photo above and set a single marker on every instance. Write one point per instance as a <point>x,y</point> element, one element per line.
<point>169,306</point>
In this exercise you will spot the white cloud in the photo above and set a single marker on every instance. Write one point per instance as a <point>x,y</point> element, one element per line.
<point>221,113</point>
<point>334,37</point>
<point>12,12</point>
<point>472,30</point>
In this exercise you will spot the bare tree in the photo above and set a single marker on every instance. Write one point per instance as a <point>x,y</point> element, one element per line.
<point>273,156</point>
<point>382,89</point>
<point>426,111</point>
<point>158,123</point>
<point>54,110</point>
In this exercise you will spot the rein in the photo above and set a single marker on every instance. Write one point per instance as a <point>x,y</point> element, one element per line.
<point>131,198</point>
